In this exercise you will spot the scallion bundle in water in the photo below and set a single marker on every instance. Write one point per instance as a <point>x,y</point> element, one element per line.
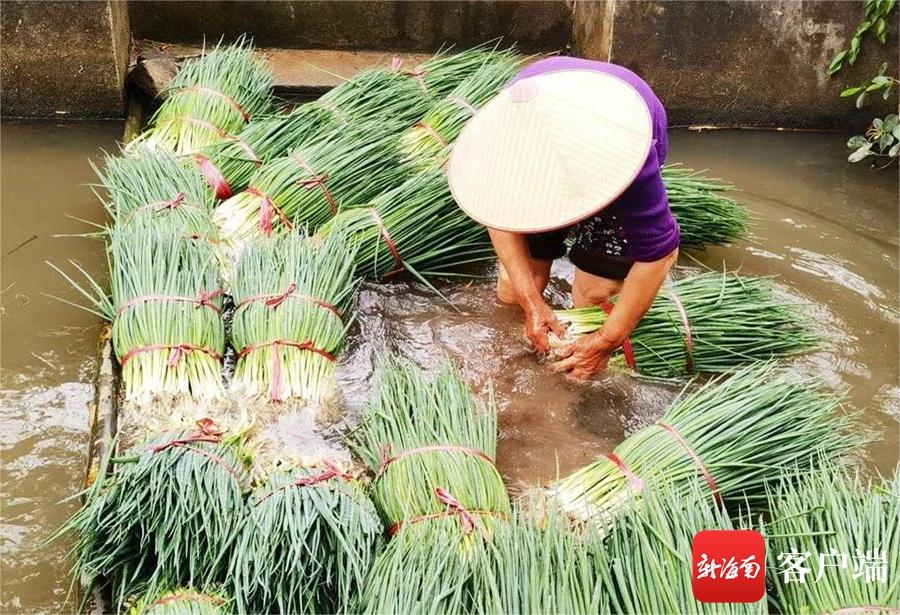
<point>427,144</point>
<point>309,540</point>
<point>293,299</point>
<point>427,433</point>
<point>713,322</point>
<point>844,531</point>
<point>706,216</point>
<point>164,517</point>
<point>228,165</point>
<point>211,98</point>
<point>350,165</point>
<point>644,562</point>
<point>157,186</point>
<point>731,435</point>
<point>415,227</point>
<point>183,601</point>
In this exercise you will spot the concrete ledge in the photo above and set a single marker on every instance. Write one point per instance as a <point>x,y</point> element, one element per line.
<point>298,72</point>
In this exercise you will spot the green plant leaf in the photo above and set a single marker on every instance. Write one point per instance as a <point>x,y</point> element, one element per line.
<point>861,100</point>
<point>896,132</point>
<point>885,141</point>
<point>887,91</point>
<point>877,122</point>
<point>860,153</point>
<point>851,91</point>
<point>853,52</point>
<point>883,68</point>
<point>837,62</point>
<point>857,141</point>
<point>894,150</point>
<point>890,122</point>
<point>880,34</point>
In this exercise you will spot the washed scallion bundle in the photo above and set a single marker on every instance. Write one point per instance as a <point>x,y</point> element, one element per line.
<point>164,517</point>
<point>307,544</point>
<point>210,99</point>
<point>308,187</point>
<point>293,299</point>
<point>845,532</point>
<point>644,562</point>
<point>184,601</point>
<point>730,435</point>
<point>713,322</point>
<point>166,311</point>
<point>539,564</point>
<point>229,165</point>
<point>430,443</point>
<point>155,185</point>
<point>415,227</point>
<point>427,144</point>
<point>707,216</point>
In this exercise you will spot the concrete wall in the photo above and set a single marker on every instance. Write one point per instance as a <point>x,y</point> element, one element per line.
<point>736,62</point>
<point>412,26</point>
<point>63,58</point>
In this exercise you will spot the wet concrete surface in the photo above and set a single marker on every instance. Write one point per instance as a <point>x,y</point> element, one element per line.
<point>828,229</point>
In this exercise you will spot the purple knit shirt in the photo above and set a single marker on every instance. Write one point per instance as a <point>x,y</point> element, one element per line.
<point>647,226</point>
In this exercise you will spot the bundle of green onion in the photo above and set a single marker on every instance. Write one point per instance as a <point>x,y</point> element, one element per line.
<point>166,311</point>
<point>713,322</point>
<point>415,227</point>
<point>307,544</point>
<point>440,75</point>
<point>183,601</point>
<point>844,532</point>
<point>644,562</point>
<point>432,446</point>
<point>431,567</point>
<point>293,299</point>
<point>229,165</point>
<point>427,144</point>
<point>164,517</point>
<point>211,98</point>
<point>155,185</point>
<point>730,435</point>
<point>350,165</point>
<point>538,564</point>
<point>705,214</point>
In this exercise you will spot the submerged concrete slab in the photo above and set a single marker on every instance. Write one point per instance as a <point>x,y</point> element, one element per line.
<point>64,58</point>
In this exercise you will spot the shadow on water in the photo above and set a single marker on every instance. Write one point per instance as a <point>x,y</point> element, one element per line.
<point>826,228</point>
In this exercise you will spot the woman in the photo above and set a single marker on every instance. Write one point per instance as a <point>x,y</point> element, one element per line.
<point>572,147</point>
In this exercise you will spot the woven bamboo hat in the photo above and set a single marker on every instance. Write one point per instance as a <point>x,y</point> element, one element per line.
<point>550,150</point>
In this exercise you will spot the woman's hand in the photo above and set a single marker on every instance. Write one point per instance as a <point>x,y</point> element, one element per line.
<point>584,358</point>
<point>540,321</point>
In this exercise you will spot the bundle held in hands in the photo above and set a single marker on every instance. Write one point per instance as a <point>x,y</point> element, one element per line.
<point>832,518</point>
<point>706,216</point>
<point>307,544</point>
<point>211,98</point>
<point>157,186</point>
<point>164,518</point>
<point>415,227</point>
<point>728,436</point>
<point>308,187</point>
<point>427,144</point>
<point>705,323</point>
<point>292,299</point>
<point>166,311</point>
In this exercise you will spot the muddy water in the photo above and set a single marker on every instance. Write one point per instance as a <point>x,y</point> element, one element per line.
<point>828,229</point>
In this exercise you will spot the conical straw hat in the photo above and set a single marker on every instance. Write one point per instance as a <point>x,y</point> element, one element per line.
<point>550,150</point>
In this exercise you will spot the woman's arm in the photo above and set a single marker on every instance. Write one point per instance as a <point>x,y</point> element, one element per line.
<point>512,250</point>
<point>590,354</point>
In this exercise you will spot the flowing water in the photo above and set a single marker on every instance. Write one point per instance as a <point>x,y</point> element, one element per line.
<point>828,229</point>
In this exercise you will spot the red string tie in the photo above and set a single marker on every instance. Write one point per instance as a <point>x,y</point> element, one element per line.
<point>429,129</point>
<point>468,519</point>
<point>331,471</point>
<point>213,177</point>
<point>417,73</point>
<point>688,337</point>
<point>316,181</point>
<point>634,480</point>
<point>627,348</point>
<point>275,390</point>
<point>176,352</point>
<point>459,101</point>
<point>204,299</point>
<point>387,460</point>
<point>206,432</point>
<point>276,300</point>
<point>695,457</point>
<point>401,266</point>
<point>265,212</point>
